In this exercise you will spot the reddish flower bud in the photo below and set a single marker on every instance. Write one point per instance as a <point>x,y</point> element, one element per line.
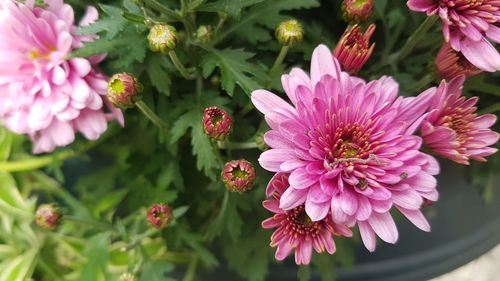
<point>159,216</point>
<point>48,216</point>
<point>217,123</point>
<point>357,11</point>
<point>238,175</point>
<point>450,64</point>
<point>354,49</point>
<point>124,90</point>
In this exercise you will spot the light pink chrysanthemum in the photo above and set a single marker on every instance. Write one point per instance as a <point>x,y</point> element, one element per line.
<point>453,129</point>
<point>295,230</point>
<point>349,148</point>
<point>43,93</point>
<point>466,25</point>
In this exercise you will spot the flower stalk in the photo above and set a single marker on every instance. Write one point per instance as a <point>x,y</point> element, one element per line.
<point>151,115</point>
<point>180,67</point>
<point>414,39</point>
<point>279,59</point>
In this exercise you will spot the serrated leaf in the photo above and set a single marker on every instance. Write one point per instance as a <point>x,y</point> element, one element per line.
<point>256,25</point>
<point>202,148</point>
<point>113,24</point>
<point>97,257</point>
<point>230,7</point>
<point>157,72</point>
<point>235,69</point>
<point>182,124</point>
<point>156,271</point>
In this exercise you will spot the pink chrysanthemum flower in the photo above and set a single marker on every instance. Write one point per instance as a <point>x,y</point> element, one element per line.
<point>43,93</point>
<point>295,230</point>
<point>451,64</point>
<point>453,129</point>
<point>466,25</point>
<point>349,148</point>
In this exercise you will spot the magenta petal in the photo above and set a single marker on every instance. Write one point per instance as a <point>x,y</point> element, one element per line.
<point>267,102</point>
<point>316,211</point>
<point>364,209</point>
<point>348,202</point>
<point>303,253</point>
<point>301,179</point>
<point>323,63</point>
<point>367,235</point>
<point>384,227</point>
<point>421,5</point>
<point>283,250</point>
<point>292,198</point>
<point>417,218</point>
<point>272,159</point>
<point>481,54</point>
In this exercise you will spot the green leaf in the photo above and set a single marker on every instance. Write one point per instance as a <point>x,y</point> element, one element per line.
<point>112,24</point>
<point>20,268</point>
<point>179,212</point>
<point>230,7</point>
<point>202,148</point>
<point>228,221</point>
<point>235,69</point>
<point>157,66</point>
<point>183,123</point>
<point>261,18</point>
<point>5,144</point>
<point>110,201</point>
<point>156,271</point>
<point>249,256</point>
<point>97,256</point>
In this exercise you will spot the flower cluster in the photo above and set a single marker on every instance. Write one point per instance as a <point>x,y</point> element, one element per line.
<point>45,93</point>
<point>346,153</point>
<point>466,27</point>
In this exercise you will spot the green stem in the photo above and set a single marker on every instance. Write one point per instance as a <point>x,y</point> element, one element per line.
<point>163,9</point>
<point>93,223</point>
<point>421,84</point>
<point>141,237</point>
<point>221,22</point>
<point>248,107</point>
<point>414,39</point>
<point>35,163</point>
<point>178,64</point>
<point>151,115</point>
<point>178,257</point>
<point>49,270</point>
<point>191,271</point>
<point>484,87</point>
<point>279,60</point>
<point>490,109</point>
<point>237,145</point>
<point>216,150</point>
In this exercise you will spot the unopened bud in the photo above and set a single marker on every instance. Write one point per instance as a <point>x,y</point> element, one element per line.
<point>159,216</point>
<point>162,38</point>
<point>290,32</point>
<point>357,11</point>
<point>124,90</point>
<point>217,123</point>
<point>204,34</point>
<point>238,175</point>
<point>450,64</point>
<point>354,49</point>
<point>48,216</point>
<point>261,144</point>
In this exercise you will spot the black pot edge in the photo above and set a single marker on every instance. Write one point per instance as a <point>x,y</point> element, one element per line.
<point>428,264</point>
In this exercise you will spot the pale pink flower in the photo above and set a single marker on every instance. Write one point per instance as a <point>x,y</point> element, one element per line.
<point>453,129</point>
<point>295,231</point>
<point>43,93</point>
<point>450,64</point>
<point>467,24</point>
<point>349,147</point>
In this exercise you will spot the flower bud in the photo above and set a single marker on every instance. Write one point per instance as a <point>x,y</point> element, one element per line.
<point>204,34</point>
<point>128,277</point>
<point>217,123</point>
<point>159,216</point>
<point>354,49</point>
<point>162,38</point>
<point>261,144</point>
<point>289,32</point>
<point>357,11</point>
<point>48,216</point>
<point>238,175</point>
<point>450,64</point>
<point>124,90</point>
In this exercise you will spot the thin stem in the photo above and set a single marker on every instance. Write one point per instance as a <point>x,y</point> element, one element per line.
<point>248,107</point>
<point>490,109</point>
<point>422,83</point>
<point>151,115</point>
<point>279,60</point>
<point>178,64</point>
<point>220,23</point>
<point>178,257</point>
<point>216,150</point>
<point>191,271</point>
<point>93,223</point>
<point>140,237</point>
<point>163,9</point>
<point>49,270</point>
<point>237,145</point>
<point>484,87</point>
<point>414,39</point>
<point>35,163</point>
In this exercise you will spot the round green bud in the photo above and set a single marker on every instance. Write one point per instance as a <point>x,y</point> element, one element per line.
<point>290,32</point>
<point>162,38</point>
